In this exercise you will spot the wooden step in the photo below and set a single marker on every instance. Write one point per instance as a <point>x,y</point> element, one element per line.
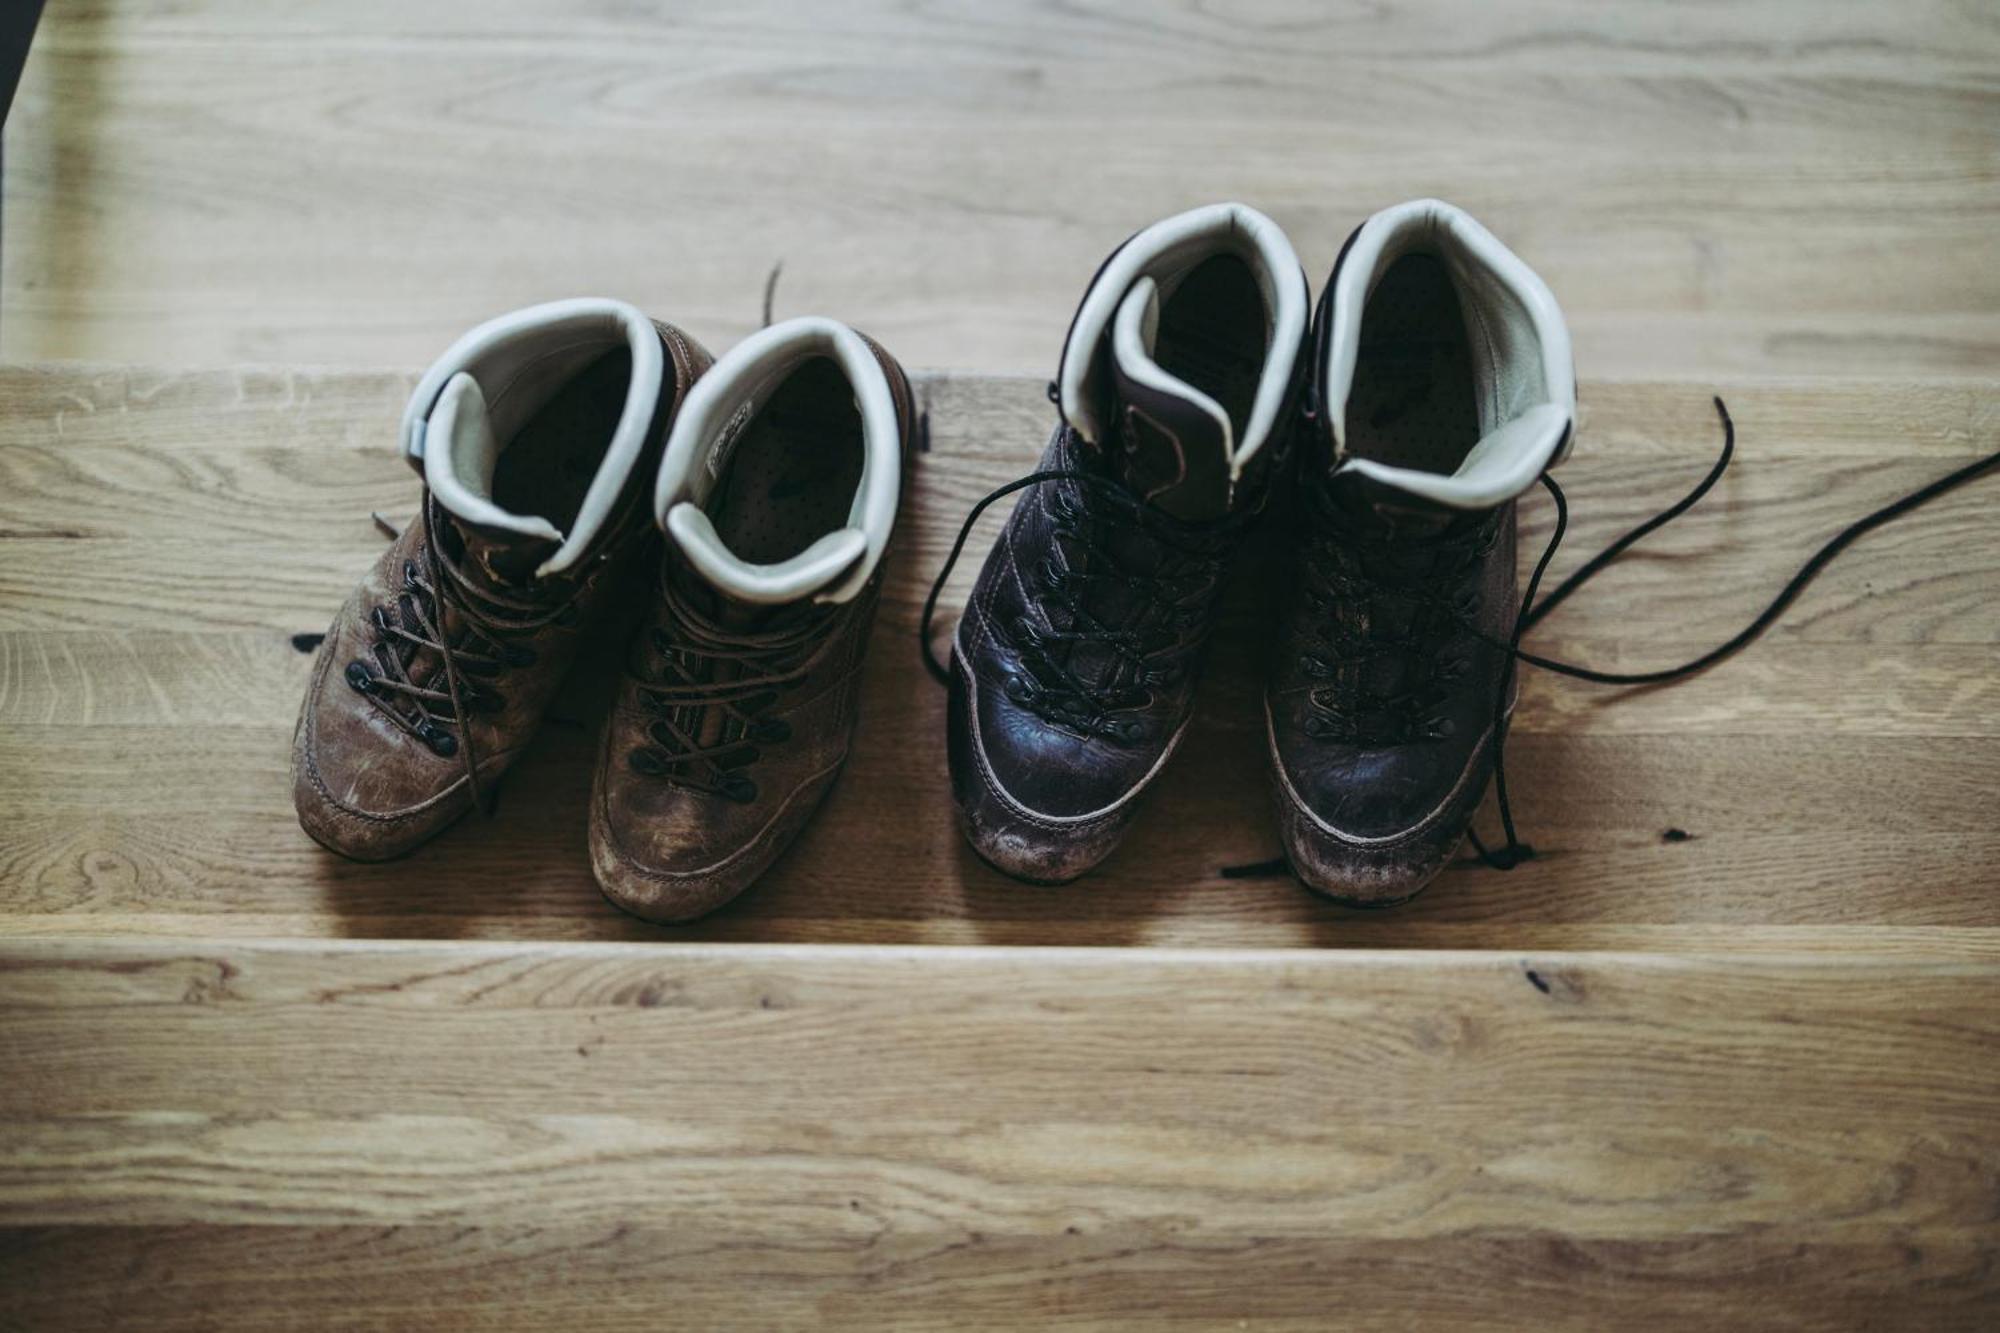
<point>367,1134</point>
<point>1726,1055</point>
<point>163,537</point>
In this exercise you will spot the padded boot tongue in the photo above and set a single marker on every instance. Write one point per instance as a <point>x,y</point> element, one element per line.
<point>1383,510</point>
<point>743,598</point>
<point>497,546</point>
<point>1505,463</point>
<point>809,576</point>
<point>1174,440</point>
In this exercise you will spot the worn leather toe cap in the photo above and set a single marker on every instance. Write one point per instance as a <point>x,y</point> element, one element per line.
<point>659,854</point>
<point>1028,807</point>
<point>1371,828</point>
<point>352,804</point>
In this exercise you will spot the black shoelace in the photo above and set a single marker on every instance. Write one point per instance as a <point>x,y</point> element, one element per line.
<point>1514,851</point>
<point>1189,569</point>
<point>709,689</point>
<point>470,662</point>
<point>1347,570</point>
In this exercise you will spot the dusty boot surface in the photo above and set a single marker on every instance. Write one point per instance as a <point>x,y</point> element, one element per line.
<point>1442,367</point>
<point>778,496</point>
<point>1073,669</point>
<point>537,435</point>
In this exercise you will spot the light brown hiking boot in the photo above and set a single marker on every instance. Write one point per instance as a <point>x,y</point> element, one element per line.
<point>778,494</point>
<point>536,435</point>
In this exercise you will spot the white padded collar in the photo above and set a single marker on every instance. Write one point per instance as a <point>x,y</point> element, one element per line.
<point>482,391</point>
<point>836,566</point>
<point>1161,254</point>
<point>1524,369</point>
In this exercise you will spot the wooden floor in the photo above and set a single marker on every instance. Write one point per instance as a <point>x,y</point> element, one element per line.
<point>1727,1055</point>
<point>1776,188</point>
<point>165,536</point>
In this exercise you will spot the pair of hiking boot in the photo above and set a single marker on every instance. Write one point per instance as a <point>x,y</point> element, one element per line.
<point>558,445</point>
<point>1385,435</point>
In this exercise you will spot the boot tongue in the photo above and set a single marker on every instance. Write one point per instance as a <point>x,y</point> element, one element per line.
<point>496,547</point>
<point>1387,512</point>
<point>497,561</point>
<point>1503,464</point>
<point>1174,442</point>
<point>738,599</point>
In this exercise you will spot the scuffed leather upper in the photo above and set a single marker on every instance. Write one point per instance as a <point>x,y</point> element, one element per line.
<point>370,790</point>
<point>1041,794</point>
<point>672,851</point>
<point>1421,788</point>
<point>1050,767</point>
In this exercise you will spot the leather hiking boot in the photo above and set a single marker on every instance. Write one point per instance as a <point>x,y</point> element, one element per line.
<point>536,435</point>
<point>1073,668</point>
<point>778,494</point>
<point>1441,389</point>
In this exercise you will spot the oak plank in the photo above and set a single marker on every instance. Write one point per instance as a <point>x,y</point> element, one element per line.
<point>247,1133</point>
<point>183,188</point>
<point>166,535</point>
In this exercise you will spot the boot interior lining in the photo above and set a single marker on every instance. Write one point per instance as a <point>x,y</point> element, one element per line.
<point>1414,403</point>
<point>1213,335</point>
<point>547,468</point>
<point>791,477</point>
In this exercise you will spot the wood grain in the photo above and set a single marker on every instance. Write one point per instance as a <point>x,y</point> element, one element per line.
<point>1745,1076</point>
<point>495,1136</point>
<point>1785,187</point>
<point>164,535</point>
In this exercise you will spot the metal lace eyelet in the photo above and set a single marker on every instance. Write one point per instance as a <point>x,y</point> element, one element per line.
<point>442,742</point>
<point>740,789</point>
<point>360,678</point>
<point>1019,689</point>
<point>1128,729</point>
<point>380,615</point>
<point>1441,728</point>
<point>648,763</point>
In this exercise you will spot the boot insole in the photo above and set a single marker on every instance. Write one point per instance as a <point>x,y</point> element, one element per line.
<point>549,464</point>
<point>1212,335</point>
<point>791,478</point>
<point>1415,402</point>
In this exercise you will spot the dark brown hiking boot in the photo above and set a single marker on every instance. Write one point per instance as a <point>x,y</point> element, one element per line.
<point>778,494</point>
<point>1073,669</point>
<point>1444,389</point>
<point>537,435</point>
